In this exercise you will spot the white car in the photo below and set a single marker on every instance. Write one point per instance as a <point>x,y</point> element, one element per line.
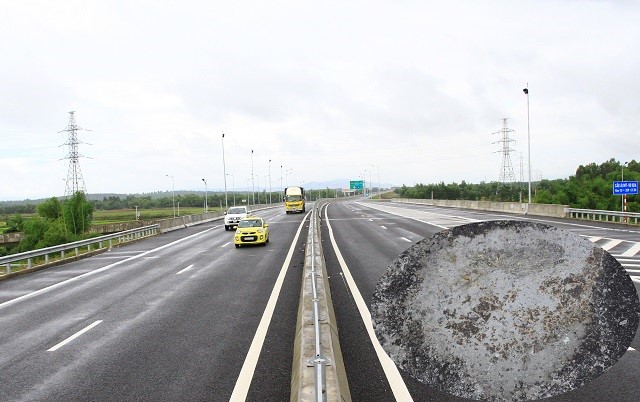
<point>233,216</point>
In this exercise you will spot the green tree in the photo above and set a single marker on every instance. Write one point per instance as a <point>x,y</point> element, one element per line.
<point>50,209</point>
<point>77,213</point>
<point>15,223</point>
<point>40,233</point>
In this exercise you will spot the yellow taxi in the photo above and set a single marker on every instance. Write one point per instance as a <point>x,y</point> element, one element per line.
<point>251,230</point>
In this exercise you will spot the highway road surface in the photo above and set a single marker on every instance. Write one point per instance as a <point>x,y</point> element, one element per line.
<point>182,316</point>
<point>362,238</point>
<point>186,316</point>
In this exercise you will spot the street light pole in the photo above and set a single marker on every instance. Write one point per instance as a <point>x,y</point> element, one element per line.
<point>173,195</point>
<point>248,196</point>
<point>206,203</point>
<point>253,187</point>
<point>269,181</point>
<point>526,92</point>
<point>233,181</point>
<point>379,189</point>
<point>286,177</point>
<point>224,172</point>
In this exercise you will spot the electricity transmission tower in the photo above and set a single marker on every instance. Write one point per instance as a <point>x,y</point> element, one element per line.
<point>506,170</point>
<point>74,182</point>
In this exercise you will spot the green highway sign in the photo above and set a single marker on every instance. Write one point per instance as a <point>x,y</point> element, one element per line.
<point>356,184</point>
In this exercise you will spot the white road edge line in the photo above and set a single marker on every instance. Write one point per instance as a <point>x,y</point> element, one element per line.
<point>241,389</point>
<point>186,269</point>
<point>75,278</point>
<point>398,387</point>
<point>74,336</point>
<point>405,239</point>
<point>406,217</point>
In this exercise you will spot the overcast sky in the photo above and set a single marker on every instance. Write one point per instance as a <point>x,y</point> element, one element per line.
<point>325,89</point>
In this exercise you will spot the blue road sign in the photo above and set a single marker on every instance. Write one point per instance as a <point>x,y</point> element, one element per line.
<point>625,187</point>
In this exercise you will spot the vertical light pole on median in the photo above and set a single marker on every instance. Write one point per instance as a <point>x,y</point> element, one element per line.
<point>248,189</point>
<point>269,181</point>
<point>526,92</point>
<point>233,181</point>
<point>224,172</point>
<point>379,189</point>
<point>173,195</point>
<point>206,203</point>
<point>253,187</point>
<point>281,187</point>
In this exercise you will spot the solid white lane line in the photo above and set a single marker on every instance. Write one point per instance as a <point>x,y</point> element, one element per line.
<point>186,269</point>
<point>110,257</point>
<point>226,244</point>
<point>55,285</point>
<point>74,336</point>
<point>405,239</point>
<point>632,251</point>
<point>384,227</point>
<point>611,244</point>
<point>398,387</point>
<point>241,389</point>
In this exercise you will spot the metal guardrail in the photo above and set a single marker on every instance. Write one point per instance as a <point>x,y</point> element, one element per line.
<point>319,360</point>
<point>606,216</point>
<point>122,237</point>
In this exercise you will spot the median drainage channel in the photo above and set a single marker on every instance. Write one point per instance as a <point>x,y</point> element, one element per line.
<point>318,368</point>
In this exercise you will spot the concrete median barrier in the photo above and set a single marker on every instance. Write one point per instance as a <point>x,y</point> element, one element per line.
<point>304,379</point>
<point>505,311</point>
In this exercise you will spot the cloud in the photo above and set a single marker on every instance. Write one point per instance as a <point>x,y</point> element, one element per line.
<point>326,90</point>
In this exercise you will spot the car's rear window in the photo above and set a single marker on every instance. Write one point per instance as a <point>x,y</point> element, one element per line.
<point>250,223</point>
<point>236,211</point>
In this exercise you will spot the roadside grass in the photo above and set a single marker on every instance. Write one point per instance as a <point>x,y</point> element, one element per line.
<point>385,196</point>
<point>105,217</point>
